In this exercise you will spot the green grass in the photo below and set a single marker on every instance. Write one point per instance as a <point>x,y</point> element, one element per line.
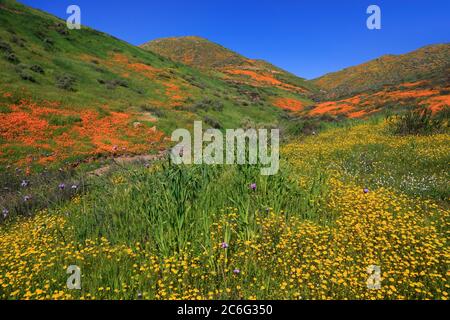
<point>157,231</point>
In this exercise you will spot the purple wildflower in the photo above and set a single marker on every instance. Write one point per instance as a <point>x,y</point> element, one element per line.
<point>5,212</point>
<point>253,186</point>
<point>236,271</point>
<point>62,186</point>
<point>366,190</point>
<point>224,245</point>
<point>24,183</point>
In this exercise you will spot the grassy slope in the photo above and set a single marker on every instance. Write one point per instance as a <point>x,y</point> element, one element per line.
<point>204,54</point>
<point>112,79</point>
<point>430,62</point>
<point>386,85</point>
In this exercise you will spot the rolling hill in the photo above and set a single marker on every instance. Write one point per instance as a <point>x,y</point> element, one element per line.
<point>430,63</point>
<point>387,84</point>
<point>229,65</point>
<point>68,96</point>
<point>71,95</point>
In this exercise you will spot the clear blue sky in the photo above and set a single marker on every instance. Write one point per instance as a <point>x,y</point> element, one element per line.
<point>307,38</point>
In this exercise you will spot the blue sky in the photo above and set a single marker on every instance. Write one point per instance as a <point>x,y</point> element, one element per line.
<point>307,38</point>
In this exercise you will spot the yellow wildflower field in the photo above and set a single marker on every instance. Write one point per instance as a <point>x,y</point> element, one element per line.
<point>271,254</point>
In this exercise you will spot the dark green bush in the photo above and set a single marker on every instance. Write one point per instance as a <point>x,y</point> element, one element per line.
<point>11,57</point>
<point>212,122</point>
<point>37,68</point>
<point>5,47</point>
<point>25,75</point>
<point>417,121</point>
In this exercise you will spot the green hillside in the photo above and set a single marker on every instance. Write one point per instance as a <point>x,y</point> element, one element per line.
<point>68,95</point>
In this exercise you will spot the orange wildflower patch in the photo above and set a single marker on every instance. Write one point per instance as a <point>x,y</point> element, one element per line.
<point>113,133</point>
<point>27,125</point>
<point>120,58</point>
<point>144,69</point>
<point>174,93</point>
<point>357,114</point>
<point>141,68</point>
<point>258,77</point>
<point>332,107</point>
<point>408,94</point>
<point>438,103</point>
<point>288,104</point>
<point>23,126</point>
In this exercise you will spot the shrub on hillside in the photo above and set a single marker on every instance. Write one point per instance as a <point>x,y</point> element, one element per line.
<point>27,76</point>
<point>37,68</point>
<point>112,84</point>
<point>65,82</point>
<point>5,47</point>
<point>206,105</point>
<point>11,57</point>
<point>417,122</point>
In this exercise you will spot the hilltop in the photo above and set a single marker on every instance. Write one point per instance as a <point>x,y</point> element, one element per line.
<point>207,55</point>
<point>389,84</point>
<point>431,63</point>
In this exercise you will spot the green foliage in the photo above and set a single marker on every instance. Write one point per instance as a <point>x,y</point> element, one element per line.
<point>212,122</point>
<point>175,205</point>
<point>65,81</point>
<point>416,121</point>
<point>160,113</point>
<point>58,120</point>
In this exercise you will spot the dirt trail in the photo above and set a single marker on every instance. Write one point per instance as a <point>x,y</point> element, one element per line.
<point>123,160</point>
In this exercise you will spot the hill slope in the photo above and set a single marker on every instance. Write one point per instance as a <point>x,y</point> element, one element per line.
<point>68,95</point>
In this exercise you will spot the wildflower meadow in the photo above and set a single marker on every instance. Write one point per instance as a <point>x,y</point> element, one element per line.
<point>341,203</point>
